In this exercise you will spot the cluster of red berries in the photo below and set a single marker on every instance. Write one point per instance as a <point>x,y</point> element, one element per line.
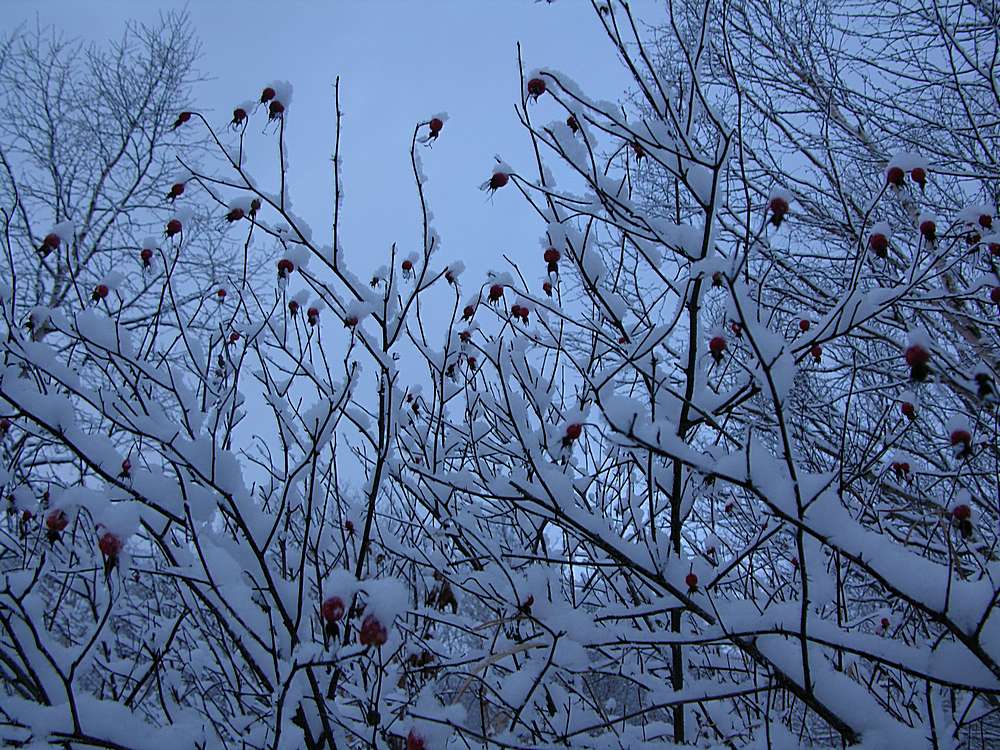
<point>895,176</point>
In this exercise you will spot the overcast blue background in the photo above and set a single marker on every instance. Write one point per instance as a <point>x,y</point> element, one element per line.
<point>399,63</point>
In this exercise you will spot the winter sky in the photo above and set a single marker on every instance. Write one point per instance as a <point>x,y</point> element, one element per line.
<point>399,61</point>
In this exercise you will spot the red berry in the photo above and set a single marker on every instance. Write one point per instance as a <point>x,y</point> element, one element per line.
<point>239,115</point>
<point>332,609</point>
<point>146,255</point>
<point>572,123</point>
<point>515,311</point>
<point>691,580</point>
<point>717,345</point>
<point>182,118</point>
<point>995,295</point>
<point>285,267</point>
<point>879,244</point>
<point>536,87</point>
<point>986,221</point>
<point>498,180</point>
<point>275,110</point>
<point>101,291</point>
<point>349,526</point>
<point>961,512</point>
<point>4,426</point>
<point>350,321</point>
<point>919,176</point>
<point>436,124</point>
<point>173,227</point>
<point>894,176</point>
<point>110,545</point>
<point>496,293</point>
<point>465,337</point>
<point>551,255</point>
<point>293,307</point>
<point>995,249</point>
<point>885,623</point>
<point>373,632</point>
<point>961,437</point>
<point>234,215</point>
<point>126,468</point>
<point>468,312</point>
<point>547,288</point>
<point>313,315</point>
<point>736,328</point>
<point>929,230</point>
<point>234,337</point>
<point>221,295</point>
<point>804,325</point>
<point>817,352</point>
<point>573,431</point>
<point>909,411</point>
<point>267,95</point>
<point>471,362</point>
<point>415,741</point>
<point>639,151</point>
<point>52,241</point>
<point>917,355</point>
<point>56,521</point>
<point>176,190</point>
<point>407,266</point>
<point>778,207</point>
<point>717,279</point>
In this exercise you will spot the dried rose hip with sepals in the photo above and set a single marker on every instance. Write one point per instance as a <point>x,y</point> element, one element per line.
<point>332,609</point>
<point>918,356</point>
<point>716,347</point>
<point>928,228</point>
<point>895,176</point>
<point>536,87</point>
<point>551,258</point>
<point>497,181</point>
<point>878,240</point>
<point>55,523</point>
<point>50,243</point>
<point>572,433</point>
<point>182,118</point>
<point>373,632</point>
<point>415,741</point>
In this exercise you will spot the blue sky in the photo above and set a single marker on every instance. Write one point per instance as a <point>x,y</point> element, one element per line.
<point>399,63</point>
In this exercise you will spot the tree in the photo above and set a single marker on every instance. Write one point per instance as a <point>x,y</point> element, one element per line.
<point>607,507</point>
